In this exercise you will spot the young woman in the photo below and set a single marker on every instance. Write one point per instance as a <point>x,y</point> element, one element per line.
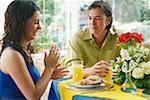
<point>19,78</point>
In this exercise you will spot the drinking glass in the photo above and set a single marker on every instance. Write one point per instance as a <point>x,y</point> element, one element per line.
<point>77,74</point>
<point>109,55</point>
<point>108,78</point>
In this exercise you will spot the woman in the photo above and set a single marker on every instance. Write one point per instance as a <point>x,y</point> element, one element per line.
<point>19,77</point>
<point>94,45</point>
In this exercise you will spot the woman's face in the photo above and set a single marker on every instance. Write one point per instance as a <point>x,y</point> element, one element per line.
<point>32,26</point>
<point>97,20</point>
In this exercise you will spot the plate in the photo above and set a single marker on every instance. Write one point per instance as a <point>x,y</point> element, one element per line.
<point>77,85</point>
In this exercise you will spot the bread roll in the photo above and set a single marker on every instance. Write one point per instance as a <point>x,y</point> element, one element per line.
<point>93,80</point>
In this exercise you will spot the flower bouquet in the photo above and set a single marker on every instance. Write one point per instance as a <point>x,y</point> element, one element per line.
<point>134,55</point>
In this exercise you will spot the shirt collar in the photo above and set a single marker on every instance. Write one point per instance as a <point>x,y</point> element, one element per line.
<point>106,39</point>
<point>88,36</point>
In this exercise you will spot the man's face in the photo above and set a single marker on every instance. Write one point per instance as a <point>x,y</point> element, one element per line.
<point>97,20</point>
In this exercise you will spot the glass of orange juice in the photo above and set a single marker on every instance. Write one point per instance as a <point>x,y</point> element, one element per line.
<point>108,78</point>
<point>77,74</point>
<point>109,55</point>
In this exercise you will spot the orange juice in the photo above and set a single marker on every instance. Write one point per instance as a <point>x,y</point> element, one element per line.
<point>108,78</point>
<point>77,72</point>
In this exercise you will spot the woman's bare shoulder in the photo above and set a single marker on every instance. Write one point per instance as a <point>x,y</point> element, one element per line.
<point>9,53</point>
<point>10,58</point>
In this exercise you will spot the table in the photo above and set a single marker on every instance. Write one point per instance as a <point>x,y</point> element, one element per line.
<point>64,93</point>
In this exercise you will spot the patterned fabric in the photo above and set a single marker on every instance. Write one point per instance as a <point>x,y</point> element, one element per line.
<point>8,88</point>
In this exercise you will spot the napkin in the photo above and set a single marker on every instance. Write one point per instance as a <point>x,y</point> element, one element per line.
<point>79,97</point>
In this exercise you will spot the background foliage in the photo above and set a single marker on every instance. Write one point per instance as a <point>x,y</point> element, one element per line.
<point>125,11</point>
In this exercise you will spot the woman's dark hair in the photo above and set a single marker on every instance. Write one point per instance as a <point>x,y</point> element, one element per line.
<point>16,16</point>
<point>105,7</point>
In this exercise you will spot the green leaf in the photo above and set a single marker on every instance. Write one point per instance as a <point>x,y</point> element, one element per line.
<point>142,83</point>
<point>120,78</point>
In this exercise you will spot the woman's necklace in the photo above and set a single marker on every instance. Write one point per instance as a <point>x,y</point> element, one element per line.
<point>26,51</point>
<point>28,56</point>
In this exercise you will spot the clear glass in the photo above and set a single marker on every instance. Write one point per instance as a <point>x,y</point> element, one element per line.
<point>108,78</point>
<point>77,73</point>
<point>107,57</point>
<point>128,85</point>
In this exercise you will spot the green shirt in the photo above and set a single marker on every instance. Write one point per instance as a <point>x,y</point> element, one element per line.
<point>82,46</point>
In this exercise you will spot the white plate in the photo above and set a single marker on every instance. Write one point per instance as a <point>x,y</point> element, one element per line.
<point>77,85</point>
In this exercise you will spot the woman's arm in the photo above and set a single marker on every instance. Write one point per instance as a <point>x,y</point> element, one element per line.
<point>13,64</point>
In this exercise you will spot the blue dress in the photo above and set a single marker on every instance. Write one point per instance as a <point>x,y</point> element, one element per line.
<point>8,88</point>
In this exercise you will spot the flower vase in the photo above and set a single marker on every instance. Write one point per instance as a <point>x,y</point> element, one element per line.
<point>128,85</point>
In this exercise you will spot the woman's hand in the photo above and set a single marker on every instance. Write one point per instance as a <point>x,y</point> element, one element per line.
<point>59,72</point>
<point>51,59</point>
<point>100,68</point>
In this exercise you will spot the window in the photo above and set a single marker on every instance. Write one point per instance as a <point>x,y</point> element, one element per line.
<point>71,15</point>
<point>61,18</point>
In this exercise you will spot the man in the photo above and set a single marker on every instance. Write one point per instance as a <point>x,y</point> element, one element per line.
<point>94,45</point>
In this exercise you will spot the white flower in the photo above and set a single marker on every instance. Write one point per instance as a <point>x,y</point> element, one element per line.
<point>138,59</point>
<point>126,67</point>
<point>116,68</point>
<point>118,59</point>
<point>135,60</point>
<point>138,73</point>
<point>144,50</point>
<point>133,64</point>
<point>124,54</point>
<point>146,67</point>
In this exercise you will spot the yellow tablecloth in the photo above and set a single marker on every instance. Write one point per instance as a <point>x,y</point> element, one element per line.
<point>117,94</point>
